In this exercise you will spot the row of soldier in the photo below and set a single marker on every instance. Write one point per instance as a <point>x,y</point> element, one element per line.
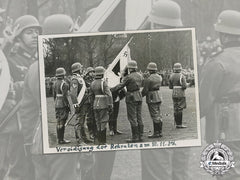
<point>91,100</point>
<point>165,74</point>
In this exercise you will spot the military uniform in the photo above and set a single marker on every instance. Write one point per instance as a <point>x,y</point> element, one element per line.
<point>151,90</point>
<point>19,62</point>
<point>61,106</point>
<point>173,161</point>
<point>101,105</point>
<point>45,165</point>
<point>133,82</point>
<point>177,82</point>
<point>55,166</point>
<point>89,109</point>
<point>219,88</point>
<point>117,97</point>
<point>10,132</point>
<point>77,85</point>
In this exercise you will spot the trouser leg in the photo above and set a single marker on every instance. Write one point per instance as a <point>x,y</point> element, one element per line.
<point>154,109</point>
<point>132,117</point>
<point>102,118</point>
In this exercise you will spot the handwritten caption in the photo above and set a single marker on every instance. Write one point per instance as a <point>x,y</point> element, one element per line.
<point>107,147</point>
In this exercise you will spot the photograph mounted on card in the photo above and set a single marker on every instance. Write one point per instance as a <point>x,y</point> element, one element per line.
<point>119,90</point>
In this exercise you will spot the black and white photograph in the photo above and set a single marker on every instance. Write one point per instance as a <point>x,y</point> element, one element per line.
<point>119,90</point>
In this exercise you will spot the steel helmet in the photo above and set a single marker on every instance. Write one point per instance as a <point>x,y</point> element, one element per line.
<point>24,22</point>
<point>76,67</point>
<point>60,72</point>
<point>89,69</point>
<point>99,70</point>
<point>58,24</point>
<point>228,22</point>
<point>166,12</point>
<point>152,66</point>
<point>132,64</point>
<point>177,67</point>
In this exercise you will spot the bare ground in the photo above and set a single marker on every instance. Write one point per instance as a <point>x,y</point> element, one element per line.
<point>127,164</point>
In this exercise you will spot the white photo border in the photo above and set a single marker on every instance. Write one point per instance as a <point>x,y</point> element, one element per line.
<point>110,147</point>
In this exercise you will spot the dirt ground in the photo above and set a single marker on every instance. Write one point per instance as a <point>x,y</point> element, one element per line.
<point>127,164</point>
<point>169,131</point>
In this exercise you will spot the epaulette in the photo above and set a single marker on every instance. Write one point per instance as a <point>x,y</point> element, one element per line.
<point>20,51</point>
<point>77,77</point>
<point>214,54</point>
<point>219,50</point>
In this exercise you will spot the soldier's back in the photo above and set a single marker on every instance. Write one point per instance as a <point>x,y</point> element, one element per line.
<point>97,87</point>
<point>175,79</point>
<point>134,78</point>
<point>155,81</point>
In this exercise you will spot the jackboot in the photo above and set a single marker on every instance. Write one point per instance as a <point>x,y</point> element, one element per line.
<point>140,131</point>
<point>103,137</point>
<point>160,129</point>
<point>90,130</point>
<point>155,131</point>
<point>180,125</point>
<point>84,136</point>
<point>58,134</point>
<point>115,130</point>
<point>176,117</point>
<point>111,133</point>
<point>134,135</point>
<point>96,138</point>
<point>62,140</point>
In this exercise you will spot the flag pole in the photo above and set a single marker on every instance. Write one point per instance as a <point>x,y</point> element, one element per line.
<point>130,40</point>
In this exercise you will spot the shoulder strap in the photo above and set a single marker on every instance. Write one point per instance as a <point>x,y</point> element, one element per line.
<point>61,86</point>
<point>82,91</point>
<point>102,87</point>
<point>181,78</point>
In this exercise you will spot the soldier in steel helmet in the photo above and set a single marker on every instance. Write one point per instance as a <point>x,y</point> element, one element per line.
<point>164,14</point>
<point>45,165</point>
<point>133,82</point>
<point>79,96</point>
<point>151,90</point>
<point>219,88</point>
<point>51,24</point>
<point>89,78</point>
<point>102,104</point>
<point>27,29</point>
<point>62,108</point>
<point>177,82</point>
